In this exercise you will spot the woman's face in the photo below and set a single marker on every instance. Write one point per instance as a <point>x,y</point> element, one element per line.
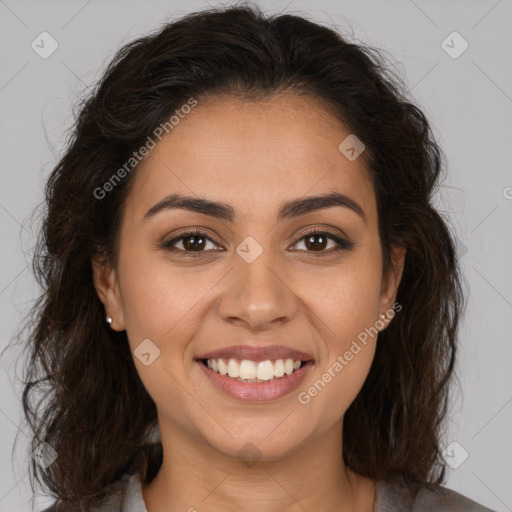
<point>258,280</point>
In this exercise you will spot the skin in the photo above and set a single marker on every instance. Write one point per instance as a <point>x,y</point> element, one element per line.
<point>254,156</point>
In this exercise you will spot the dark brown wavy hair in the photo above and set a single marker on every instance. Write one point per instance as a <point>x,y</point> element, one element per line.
<point>91,406</point>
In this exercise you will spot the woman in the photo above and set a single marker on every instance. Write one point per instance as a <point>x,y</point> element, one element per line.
<point>249,301</point>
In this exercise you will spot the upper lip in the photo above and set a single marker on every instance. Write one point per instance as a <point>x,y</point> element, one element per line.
<point>255,353</point>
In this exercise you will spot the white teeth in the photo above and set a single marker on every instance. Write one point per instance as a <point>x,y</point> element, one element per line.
<point>279,368</point>
<point>233,368</point>
<point>265,370</point>
<point>247,370</point>
<point>223,368</point>
<point>252,371</point>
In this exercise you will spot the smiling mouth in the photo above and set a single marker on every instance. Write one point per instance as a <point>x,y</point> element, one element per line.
<point>245,370</point>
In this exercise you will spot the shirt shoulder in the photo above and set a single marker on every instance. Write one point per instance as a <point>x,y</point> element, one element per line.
<point>125,495</point>
<point>392,496</point>
<point>115,496</point>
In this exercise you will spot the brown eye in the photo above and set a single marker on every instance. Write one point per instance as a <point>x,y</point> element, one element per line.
<point>317,241</point>
<point>192,241</point>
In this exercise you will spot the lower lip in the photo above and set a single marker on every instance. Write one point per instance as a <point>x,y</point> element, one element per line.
<point>257,391</point>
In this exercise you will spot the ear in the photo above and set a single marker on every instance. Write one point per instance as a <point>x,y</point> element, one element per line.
<point>107,288</point>
<point>390,283</point>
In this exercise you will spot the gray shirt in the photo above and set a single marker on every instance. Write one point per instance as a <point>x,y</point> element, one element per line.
<point>125,495</point>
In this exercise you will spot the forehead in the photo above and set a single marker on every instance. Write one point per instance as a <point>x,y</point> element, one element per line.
<point>253,155</point>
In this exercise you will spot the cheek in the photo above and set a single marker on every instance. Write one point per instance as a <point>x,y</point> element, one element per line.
<point>159,300</point>
<point>346,298</point>
<point>337,385</point>
<point>345,302</point>
<point>161,304</point>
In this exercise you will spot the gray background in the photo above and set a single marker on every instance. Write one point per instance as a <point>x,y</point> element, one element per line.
<point>468,100</point>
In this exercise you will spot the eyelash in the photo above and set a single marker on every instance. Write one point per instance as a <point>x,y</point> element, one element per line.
<point>342,243</point>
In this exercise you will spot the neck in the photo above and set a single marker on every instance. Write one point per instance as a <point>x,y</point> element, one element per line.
<point>196,477</point>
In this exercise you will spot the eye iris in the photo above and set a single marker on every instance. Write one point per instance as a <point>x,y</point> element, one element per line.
<point>188,242</point>
<point>316,246</point>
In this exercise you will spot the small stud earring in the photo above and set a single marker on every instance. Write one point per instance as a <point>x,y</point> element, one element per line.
<point>383,317</point>
<point>109,320</point>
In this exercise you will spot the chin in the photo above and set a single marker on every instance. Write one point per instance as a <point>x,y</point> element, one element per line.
<point>257,446</point>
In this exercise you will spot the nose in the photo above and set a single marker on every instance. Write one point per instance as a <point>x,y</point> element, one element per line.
<point>258,295</point>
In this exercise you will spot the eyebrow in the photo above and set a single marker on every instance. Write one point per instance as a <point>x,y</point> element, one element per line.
<point>225,211</point>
